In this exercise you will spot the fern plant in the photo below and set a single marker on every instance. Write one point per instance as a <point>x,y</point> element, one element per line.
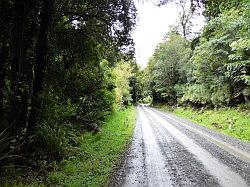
<point>4,151</point>
<point>52,140</point>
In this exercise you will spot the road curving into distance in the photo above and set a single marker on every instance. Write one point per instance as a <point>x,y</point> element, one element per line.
<point>167,150</point>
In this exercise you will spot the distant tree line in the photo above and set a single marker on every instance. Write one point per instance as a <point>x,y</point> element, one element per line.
<point>212,69</point>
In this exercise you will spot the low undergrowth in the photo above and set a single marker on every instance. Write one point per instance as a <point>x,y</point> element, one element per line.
<point>232,121</point>
<point>90,162</point>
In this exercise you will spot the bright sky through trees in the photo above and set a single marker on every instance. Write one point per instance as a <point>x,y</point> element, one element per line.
<point>152,25</point>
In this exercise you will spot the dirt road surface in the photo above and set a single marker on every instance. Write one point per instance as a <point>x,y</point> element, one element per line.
<point>167,150</point>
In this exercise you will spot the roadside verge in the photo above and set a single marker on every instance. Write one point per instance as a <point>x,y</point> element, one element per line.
<point>230,121</point>
<point>94,158</point>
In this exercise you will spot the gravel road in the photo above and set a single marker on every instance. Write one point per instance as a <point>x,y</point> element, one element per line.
<point>167,150</point>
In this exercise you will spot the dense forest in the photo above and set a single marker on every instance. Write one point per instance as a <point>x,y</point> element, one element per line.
<point>65,65</point>
<point>209,70</point>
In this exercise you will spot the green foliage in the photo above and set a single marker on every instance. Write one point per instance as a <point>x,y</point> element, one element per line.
<point>221,95</point>
<point>101,152</point>
<point>147,100</point>
<point>55,110</point>
<point>168,67</point>
<point>64,79</point>
<point>220,63</point>
<point>122,73</point>
<point>52,140</point>
<point>197,93</point>
<point>179,91</point>
<point>216,72</point>
<point>214,7</point>
<point>135,82</point>
<point>97,154</point>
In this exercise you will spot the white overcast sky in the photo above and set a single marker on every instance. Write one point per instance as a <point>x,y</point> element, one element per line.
<point>152,25</point>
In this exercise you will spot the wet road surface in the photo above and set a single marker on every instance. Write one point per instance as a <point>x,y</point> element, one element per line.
<point>167,150</point>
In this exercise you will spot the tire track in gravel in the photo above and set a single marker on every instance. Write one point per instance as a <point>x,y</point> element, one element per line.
<point>183,167</point>
<point>233,162</point>
<point>133,163</point>
<point>156,172</point>
<point>219,170</point>
<point>144,163</point>
<point>244,146</point>
<point>165,152</point>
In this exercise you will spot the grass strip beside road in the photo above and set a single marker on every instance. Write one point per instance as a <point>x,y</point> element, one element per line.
<point>230,121</point>
<point>94,159</point>
<point>101,153</point>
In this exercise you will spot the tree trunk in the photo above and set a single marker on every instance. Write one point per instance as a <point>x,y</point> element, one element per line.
<point>3,55</point>
<point>22,38</point>
<point>4,50</point>
<point>41,61</point>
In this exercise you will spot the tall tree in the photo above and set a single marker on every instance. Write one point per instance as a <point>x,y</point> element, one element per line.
<point>24,14</point>
<point>41,59</point>
<point>4,50</point>
<point>168,67</point>
<point>185,16</point>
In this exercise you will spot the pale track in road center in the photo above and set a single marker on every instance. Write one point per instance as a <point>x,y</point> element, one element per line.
<point>165,152</point>
<point>225,175</point>
<point>243,155</point>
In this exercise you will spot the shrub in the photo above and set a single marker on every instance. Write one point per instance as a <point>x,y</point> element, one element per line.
<point>221,95</point>
<point>197,93</point>
<point>147,100</point>
<point>51,140</point>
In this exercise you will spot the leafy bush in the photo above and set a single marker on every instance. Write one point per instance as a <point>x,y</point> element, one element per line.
<point>197,93</point>
<point>221,96</point>
<point>56,110</point>
<point>179,91</point>
<point>147,100</point>
<point>97,105</point>
<point>122,73</point>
